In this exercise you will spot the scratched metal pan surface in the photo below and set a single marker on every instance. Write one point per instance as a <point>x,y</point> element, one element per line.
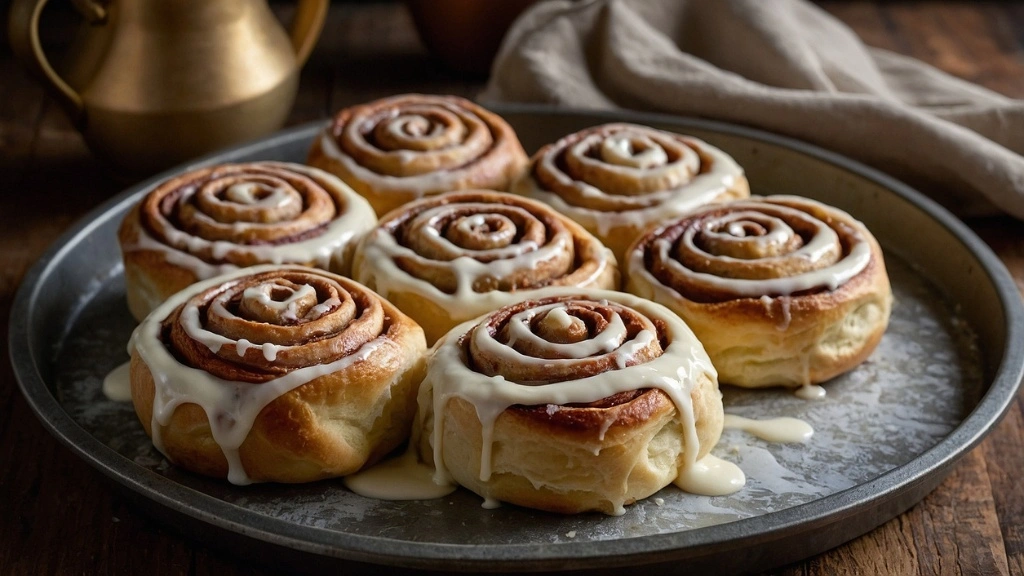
<point>885,435</point>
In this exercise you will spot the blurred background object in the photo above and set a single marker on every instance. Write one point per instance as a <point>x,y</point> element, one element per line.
<point>152,83</point>
<point>465,34</point>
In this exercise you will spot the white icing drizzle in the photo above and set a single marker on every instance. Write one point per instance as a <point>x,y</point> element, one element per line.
<point>285,308</point>
<point>117,384</point>
<point>326,250</point>
<point>618,149</point>
<point>318,310</point>
<point>831,277</point>
<point>704,187</point>
<point>822,242</point>
<point>783,429</point>
<point>248,193</point>
<point>418,184</point>
<point>784,307</point>
<point>379,269</point>
<point>406,125</point>
<point>810,392</point>
<point>559,318</point>
<point>787,314</point>
<point>674,372</point>
<point>603,342</point>
<point>231,407</point>
<point>400,478</point>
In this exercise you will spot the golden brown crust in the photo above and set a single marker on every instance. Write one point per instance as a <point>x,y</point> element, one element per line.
<point>570,457</point>
<point>330,426</point>
<point>211,220</point>
<point>149,278</point>
<point>417,256</point>
<point>617,179</point>
<point>622,466</point>
<point>794,338</point>
<point>398,149</point>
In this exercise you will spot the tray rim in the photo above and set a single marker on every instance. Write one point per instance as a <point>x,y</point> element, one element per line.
<point>925,470</point>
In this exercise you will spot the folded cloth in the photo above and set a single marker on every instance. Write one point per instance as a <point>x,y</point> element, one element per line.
<point>785,66</point>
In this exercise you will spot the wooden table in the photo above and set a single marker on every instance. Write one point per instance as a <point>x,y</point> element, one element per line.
<point>58,516</point>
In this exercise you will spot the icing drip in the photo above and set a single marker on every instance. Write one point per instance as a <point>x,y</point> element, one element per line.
<point>810,392</point>
<point>117,384</point>
<point>230,406</point>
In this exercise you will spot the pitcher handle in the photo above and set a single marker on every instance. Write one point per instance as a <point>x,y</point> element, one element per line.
<point>306,27</point>
<point>23,31</point>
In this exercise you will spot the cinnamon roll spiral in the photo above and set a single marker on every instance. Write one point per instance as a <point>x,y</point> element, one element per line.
<point>573,402</point>
<point>284,374</point>
<point>453,257</point>
<point>617,179</point>
<point>213,220</point>
<point>781,290</point>
<point>398,149</point>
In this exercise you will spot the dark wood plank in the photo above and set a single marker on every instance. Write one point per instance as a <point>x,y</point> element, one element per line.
<point>978,41</point>
<point>1002,451</point>
<point>1002,461</point>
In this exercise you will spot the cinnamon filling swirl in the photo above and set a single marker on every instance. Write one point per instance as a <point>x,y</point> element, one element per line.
<point>516,244</point>
<point>246,214</point>
<point>272,323</point>
<point>459,255</point>
<point>775,246</point>
<point>399,149</point>
<point>626,167</point>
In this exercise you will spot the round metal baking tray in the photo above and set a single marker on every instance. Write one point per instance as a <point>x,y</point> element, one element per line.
<point>69,326</point>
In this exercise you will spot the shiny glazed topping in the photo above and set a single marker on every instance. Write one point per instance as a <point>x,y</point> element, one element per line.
<point>421,143</point>
<point>217,218</point>
<point>479,241</point>
<point>772,246</point>
<point>621,174</point>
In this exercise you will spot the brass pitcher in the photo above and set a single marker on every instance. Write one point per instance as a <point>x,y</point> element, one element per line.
<point>156,82</point>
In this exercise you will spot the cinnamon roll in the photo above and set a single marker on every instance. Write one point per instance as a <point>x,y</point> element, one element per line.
<point>574,402</point>
<point>398,149</point>
<point>781,290</point>
<point>283,374</point>
<point>213,220</point>
<point>617,179</point>
<point>447,259</point>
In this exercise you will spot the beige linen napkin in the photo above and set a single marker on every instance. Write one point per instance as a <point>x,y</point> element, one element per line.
<point>781,65</point>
